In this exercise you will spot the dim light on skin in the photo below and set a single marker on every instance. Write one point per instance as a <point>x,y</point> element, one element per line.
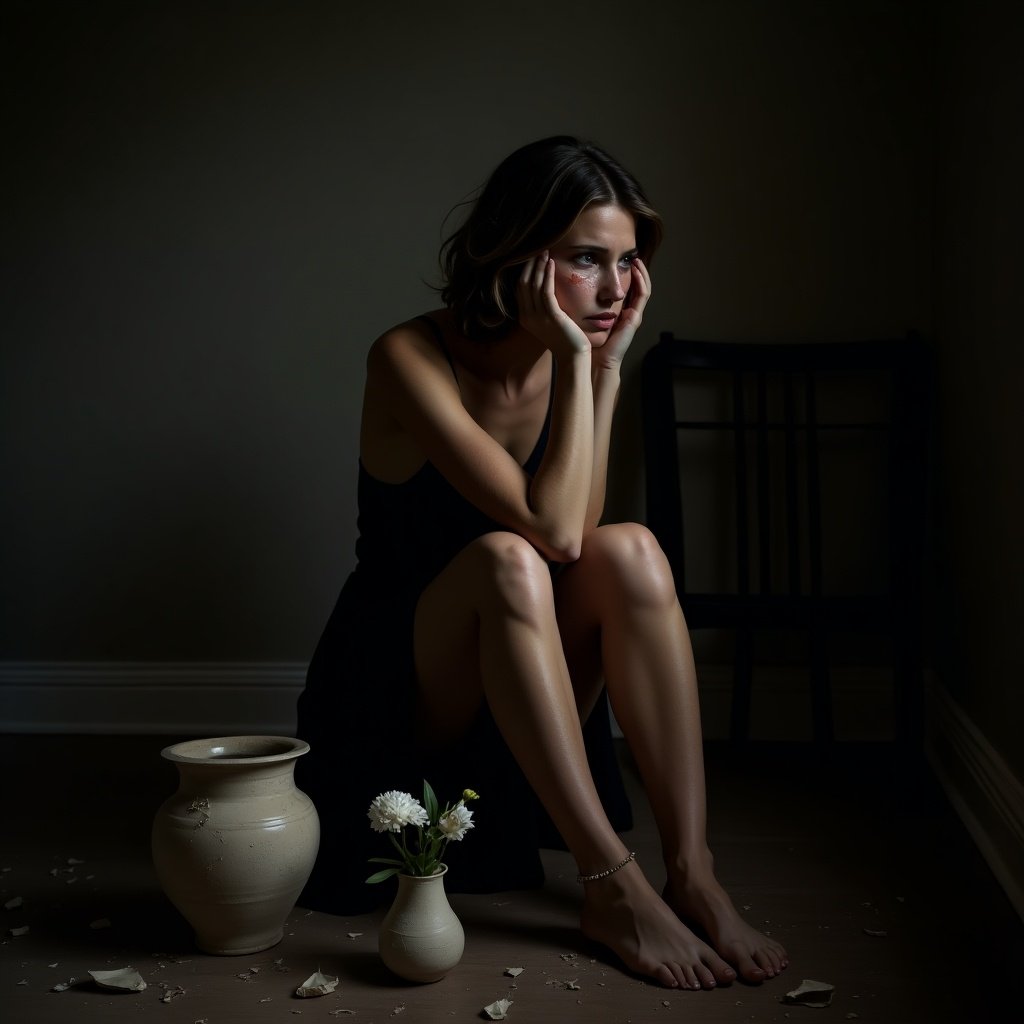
<point>594,268</point>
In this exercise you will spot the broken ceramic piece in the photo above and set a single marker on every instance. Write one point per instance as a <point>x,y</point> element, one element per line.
<point>127,979</point>
<point>811,993</point>
<point>569,986</point>
<point>170,992</point>
<point>498,1010</point>
<point>317,984</point>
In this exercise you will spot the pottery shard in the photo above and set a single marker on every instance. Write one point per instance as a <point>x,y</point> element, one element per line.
<point>498,1010</point>
<point>811,993</point>
<point>317,985</point>
<point>127,979</point>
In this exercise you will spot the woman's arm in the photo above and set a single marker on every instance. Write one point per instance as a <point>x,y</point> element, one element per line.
<point>564,478</point>
<point>417,403</point>
<point>605,385</point>
<point>413,402</point>
<point>607,361</point>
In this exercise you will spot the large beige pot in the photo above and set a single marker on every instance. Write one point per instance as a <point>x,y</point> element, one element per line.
<point>234,846</point>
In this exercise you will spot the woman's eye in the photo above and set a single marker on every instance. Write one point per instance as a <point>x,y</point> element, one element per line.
<point>591,259</point>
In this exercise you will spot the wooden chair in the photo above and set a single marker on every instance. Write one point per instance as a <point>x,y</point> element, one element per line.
<point>804,529</point>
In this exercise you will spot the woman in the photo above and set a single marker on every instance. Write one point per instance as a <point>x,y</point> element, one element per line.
<point>489,608</point>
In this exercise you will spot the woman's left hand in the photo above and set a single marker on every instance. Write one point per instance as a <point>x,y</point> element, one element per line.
<point>611,353</point>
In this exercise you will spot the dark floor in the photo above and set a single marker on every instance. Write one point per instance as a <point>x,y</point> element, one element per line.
<point>819,851</point>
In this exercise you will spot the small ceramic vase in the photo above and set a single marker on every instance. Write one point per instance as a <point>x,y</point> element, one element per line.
<point>420,938</point>
<point>234,846</point>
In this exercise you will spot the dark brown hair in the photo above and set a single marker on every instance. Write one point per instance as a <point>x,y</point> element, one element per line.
<point>530,201</point>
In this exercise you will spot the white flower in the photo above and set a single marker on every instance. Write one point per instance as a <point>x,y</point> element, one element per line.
<point>392,811</point>
<point>457,822</point>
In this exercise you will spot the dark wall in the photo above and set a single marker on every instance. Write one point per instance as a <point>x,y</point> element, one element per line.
<point>979,326</point>
<point>214,208</point>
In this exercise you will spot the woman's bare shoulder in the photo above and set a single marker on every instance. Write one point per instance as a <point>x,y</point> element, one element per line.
<point>412,340</point>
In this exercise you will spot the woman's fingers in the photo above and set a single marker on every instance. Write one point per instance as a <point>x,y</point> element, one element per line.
<point>615,348</point>
<point>641,290</point>
<point>537,285</point>
<point>539,311</point>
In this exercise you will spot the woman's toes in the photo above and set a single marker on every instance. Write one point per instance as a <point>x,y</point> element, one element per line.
<point>666,976</point>
<point>750,970</point>
<point>722,972</point>
<point>688,973</point>
<point>705,977</point>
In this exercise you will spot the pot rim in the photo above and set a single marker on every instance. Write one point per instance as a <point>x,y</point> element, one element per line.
<point>440,873</point>
<point>211,750</point>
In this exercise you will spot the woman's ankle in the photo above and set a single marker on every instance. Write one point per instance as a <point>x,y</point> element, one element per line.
<point>692,869</point>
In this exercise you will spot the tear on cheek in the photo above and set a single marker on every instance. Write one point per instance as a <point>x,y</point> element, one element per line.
<point>582,281</point>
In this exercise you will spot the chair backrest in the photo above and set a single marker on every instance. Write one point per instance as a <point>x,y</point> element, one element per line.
<point>808,460</point>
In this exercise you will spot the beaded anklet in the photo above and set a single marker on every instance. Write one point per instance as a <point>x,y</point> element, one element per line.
<point>608,871</point>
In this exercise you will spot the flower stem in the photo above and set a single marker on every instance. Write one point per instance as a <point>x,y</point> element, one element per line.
<point>402,851</point>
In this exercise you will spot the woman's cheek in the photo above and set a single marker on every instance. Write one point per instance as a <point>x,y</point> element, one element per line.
<point>572,288</point>
<point>574,292</point>
<point>579,281</point>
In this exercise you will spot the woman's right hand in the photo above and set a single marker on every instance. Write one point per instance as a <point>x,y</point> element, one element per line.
<point>540,314</point>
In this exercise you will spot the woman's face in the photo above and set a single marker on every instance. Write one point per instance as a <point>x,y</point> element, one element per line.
<point>593,268</point>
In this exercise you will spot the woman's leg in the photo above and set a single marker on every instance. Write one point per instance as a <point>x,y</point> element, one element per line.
<point>617,610</point>
<point>486,628</point>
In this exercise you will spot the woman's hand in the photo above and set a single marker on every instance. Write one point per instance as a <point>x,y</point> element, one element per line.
<point>611,353</point>
<point>540,314</point>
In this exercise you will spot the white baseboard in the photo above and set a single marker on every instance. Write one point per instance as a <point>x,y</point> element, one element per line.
<point>150,698</point>
<point>982,788</point>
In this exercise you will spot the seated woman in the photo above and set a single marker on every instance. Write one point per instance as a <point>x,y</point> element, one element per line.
<point>490,610</point>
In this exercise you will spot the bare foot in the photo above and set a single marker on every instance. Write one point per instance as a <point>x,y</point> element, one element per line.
<point>625,914</point>
<point>706,904</point>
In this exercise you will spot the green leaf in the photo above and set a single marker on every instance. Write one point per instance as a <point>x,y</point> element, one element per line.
<point>386,860</point>
<point>381,876</point>
<point>430,802</point>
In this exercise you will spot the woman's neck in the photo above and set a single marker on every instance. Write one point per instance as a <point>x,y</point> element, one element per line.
<point>510,360</point>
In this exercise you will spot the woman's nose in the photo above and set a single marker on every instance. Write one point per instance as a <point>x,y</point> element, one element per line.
<point>612,288</point>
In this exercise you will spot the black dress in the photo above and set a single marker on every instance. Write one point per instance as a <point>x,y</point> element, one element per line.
<point>356,711</point>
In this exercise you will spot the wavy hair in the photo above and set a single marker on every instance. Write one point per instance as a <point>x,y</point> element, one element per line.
<point>529,202</point>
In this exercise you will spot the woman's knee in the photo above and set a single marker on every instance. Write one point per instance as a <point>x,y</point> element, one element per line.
<point>510,571</point>
<point>632,556</point>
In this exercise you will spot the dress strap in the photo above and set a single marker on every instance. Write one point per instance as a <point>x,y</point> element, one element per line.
<point>435,329</point>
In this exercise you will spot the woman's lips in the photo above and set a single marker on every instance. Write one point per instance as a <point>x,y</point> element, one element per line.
<point>604,321</point>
